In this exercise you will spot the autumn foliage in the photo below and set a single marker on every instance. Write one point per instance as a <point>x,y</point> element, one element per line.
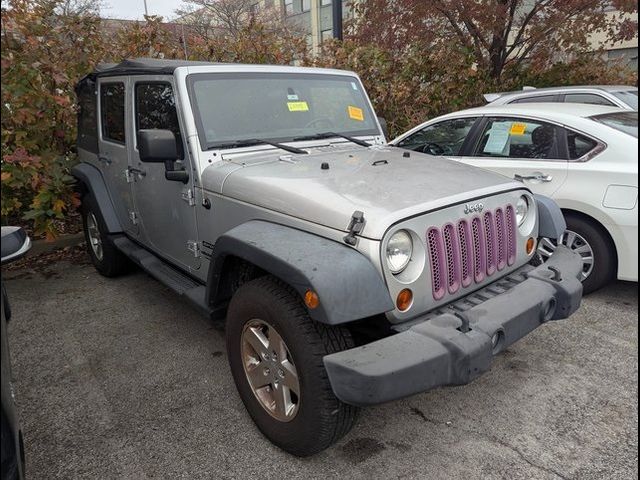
<point>418,59</point>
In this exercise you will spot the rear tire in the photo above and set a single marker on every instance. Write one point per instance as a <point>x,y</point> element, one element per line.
<point>317,419</point>
<point>107,259</point>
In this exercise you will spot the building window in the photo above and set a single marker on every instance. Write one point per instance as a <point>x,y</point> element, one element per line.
<point>325,2</point>
<point>288,7</point>
<point>326,35</point>
<point>306,5</point>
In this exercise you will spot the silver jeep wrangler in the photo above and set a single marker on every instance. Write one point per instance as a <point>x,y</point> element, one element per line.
<point>349,272</point>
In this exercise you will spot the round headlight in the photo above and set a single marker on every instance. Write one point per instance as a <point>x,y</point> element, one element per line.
<point>522,209</point>
<point>399,251</point>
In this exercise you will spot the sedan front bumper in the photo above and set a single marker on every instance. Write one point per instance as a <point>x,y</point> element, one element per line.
<point>455,348</point>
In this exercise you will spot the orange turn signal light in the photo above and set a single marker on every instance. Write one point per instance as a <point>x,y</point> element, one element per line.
<point>531,245</point>
<point>404,299</point>
<point>311,299</point>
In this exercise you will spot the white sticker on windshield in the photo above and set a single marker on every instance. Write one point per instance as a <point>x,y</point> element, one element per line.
<point>498,141</point>
<point>354,86</point>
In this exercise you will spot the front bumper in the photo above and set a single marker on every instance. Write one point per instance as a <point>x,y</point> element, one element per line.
<point>455,348</point>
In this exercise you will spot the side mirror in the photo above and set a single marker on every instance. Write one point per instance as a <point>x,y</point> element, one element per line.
<point>157,146</point>
<point>15,244</point>
<point>385,128</point>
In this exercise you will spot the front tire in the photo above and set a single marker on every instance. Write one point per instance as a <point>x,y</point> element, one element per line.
<point>106,258</point>
<point>275,353</point>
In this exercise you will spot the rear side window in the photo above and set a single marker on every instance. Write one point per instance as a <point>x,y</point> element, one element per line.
<point>517,138</point>
<point>579,145</point>
<point>112,111</point>
<point>536,99</point>
<point>87,115</point>
<point>589,98</point>
<point>156,109</point>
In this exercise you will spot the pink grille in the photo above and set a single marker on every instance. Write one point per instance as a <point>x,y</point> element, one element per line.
<point>466,253</point>
<point>470,251</point>
<point>490,236</point>
<point>452,251</point>
<point>479,250</point>
<point>511,234</point>
<point>436,254</point>
<point>501,243</point>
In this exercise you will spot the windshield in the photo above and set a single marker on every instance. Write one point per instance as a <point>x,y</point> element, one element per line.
<point>626,122</point>
<point>630,97</point>
<point>231,107</point>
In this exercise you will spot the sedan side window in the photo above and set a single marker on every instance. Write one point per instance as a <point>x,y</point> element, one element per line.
<point>579,145</point>
<point>587,98</point>
<point>156,108</point>
<point>536,99</point>
<point>443,138</point>
<point>517,138</point>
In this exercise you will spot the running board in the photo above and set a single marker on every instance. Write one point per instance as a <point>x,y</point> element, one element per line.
<point>170,276</point>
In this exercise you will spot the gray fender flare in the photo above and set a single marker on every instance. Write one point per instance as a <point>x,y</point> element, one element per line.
<point>550,218</point>
<point>92,179</point>
<point>348,285</point>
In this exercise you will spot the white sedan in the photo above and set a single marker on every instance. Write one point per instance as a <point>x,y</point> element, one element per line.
<point>585,157</point>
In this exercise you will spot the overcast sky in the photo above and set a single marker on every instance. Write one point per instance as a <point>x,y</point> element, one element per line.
<point>134,9</point>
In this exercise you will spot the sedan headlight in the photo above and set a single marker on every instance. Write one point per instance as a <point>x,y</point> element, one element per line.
<point>522,210</point>
<point>399,251</point>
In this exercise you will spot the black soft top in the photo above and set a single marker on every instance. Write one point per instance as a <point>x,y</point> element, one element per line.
<point>142,66</point>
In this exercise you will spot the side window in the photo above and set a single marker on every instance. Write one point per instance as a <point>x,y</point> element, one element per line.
<point>579,145</point>
<point>536,99</point>
<point>112,111</point>
<point>156,109</point>
<point>443,138</point>
<point>517,138</point>
<point>591,98</point>
<point>87,115</point>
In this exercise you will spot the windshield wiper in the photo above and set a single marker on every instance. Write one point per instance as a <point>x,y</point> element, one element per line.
<point>255,141</point>
<point>319,136</point>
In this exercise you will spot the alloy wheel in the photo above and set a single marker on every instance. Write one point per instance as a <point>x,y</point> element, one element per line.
<point>95,240</point>
<point>270,370</point>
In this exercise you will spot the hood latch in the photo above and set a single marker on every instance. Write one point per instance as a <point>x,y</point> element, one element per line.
<point>356,225</point>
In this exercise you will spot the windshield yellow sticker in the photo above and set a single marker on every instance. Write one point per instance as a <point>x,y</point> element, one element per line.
<point>518,128</point>
<point>298,106</point>
<point>356,113</point>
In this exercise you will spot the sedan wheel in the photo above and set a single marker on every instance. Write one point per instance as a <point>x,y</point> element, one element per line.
<point>575,242</point>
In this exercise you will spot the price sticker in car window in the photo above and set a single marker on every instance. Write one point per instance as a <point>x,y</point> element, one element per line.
<point>298,106</point>
<point>356,113</point>
<point>518,128</point>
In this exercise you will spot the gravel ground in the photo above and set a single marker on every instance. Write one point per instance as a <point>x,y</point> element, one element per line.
<point>123,379</point>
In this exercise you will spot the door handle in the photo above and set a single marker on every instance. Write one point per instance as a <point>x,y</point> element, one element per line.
<point>138,172</point>
<point>541,177</point>
<point>106,160</point>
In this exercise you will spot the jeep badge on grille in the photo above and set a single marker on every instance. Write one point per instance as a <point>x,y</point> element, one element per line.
<point>473,207</point>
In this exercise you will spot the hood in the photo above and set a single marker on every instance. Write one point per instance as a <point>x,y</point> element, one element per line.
<point>383,182</point>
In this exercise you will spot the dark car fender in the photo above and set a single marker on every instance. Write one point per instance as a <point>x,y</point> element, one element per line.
<point>550,219</point>
<point>348,285</point>
<point>91,179</point>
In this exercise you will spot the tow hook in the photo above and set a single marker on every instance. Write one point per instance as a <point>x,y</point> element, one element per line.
<point>556,273</point>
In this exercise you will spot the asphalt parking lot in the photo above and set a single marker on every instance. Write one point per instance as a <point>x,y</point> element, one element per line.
<point>123,379</point>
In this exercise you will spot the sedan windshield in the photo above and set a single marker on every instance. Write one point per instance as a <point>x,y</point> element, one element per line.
<point>630,97</point>
<point>626,122</point>
<point>278,107</point>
